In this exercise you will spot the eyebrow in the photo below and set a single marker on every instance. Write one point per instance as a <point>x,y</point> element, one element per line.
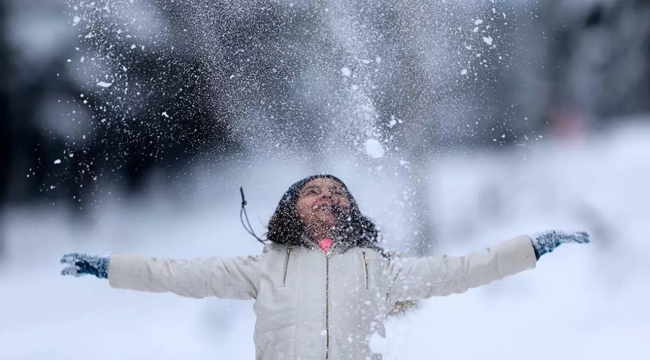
<point>340,188</point>
<point>310,187</point>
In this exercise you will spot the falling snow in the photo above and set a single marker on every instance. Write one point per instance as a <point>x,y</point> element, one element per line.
<point>374,149</point>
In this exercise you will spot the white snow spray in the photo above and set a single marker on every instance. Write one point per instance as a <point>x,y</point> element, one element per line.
<point>334,71</point>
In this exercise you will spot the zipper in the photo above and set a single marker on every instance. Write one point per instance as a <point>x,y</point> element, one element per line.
<point>286,267</point>
<point>327,306</point>
<point>366,261</point>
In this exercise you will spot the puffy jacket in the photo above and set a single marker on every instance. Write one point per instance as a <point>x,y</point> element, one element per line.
<point>316,306</point>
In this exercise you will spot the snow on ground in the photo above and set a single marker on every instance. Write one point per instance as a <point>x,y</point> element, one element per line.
<point>581,302</point>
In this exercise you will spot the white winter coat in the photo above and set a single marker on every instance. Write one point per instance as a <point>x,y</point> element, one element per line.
<point>313,306</point>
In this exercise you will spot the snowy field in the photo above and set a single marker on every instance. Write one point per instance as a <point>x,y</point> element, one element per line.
<point>581,302</point>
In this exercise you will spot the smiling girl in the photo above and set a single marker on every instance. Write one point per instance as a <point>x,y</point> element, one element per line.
<point>322,285</point>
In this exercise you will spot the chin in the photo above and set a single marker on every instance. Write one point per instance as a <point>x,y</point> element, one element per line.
<point>329,222</point>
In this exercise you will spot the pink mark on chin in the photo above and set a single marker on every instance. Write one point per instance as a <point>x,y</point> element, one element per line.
<point>325,244</point>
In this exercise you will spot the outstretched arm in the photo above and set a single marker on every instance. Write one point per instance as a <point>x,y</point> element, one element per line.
<point>232,278</point>
<point>419,278</point>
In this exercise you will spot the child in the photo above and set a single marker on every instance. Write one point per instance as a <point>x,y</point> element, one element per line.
<point>322,286</point>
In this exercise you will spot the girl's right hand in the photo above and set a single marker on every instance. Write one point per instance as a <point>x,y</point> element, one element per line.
<point>82,264</point>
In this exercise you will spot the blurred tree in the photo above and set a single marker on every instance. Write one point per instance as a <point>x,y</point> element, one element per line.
<point>5,120</point>
<point>597,61</point>
<point>74,139</point>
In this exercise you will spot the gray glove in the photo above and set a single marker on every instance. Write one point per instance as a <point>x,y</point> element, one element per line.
<point>82,264</point>
<point>546,241</point>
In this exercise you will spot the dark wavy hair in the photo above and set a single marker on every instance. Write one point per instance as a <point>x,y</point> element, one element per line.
<point>286,228</point>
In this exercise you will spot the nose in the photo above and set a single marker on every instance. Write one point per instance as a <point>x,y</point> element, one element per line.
<point>326,194</point>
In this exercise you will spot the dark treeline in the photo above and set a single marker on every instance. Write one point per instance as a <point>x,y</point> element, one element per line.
<point>214,75</point>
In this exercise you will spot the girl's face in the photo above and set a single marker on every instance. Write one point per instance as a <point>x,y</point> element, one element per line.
<point>317,202</point>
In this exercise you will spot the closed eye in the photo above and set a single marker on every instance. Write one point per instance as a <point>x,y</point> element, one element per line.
<point>312,190</point>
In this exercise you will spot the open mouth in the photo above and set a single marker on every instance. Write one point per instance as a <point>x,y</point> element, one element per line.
<point>325,208</point>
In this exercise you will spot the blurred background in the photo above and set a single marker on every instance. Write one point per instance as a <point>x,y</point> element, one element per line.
<point>129,126</point>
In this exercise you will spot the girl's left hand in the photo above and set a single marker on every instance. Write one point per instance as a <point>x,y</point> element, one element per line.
<point>546,241</point>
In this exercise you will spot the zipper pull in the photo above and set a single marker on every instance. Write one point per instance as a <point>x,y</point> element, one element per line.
<point>325,245</point>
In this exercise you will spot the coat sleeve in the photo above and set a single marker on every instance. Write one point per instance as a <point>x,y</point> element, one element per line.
<point>421,278</point>
<point>227,278</point>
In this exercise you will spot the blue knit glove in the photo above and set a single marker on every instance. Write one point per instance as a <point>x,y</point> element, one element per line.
<point>82,264</point>
<point>546,241</point>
